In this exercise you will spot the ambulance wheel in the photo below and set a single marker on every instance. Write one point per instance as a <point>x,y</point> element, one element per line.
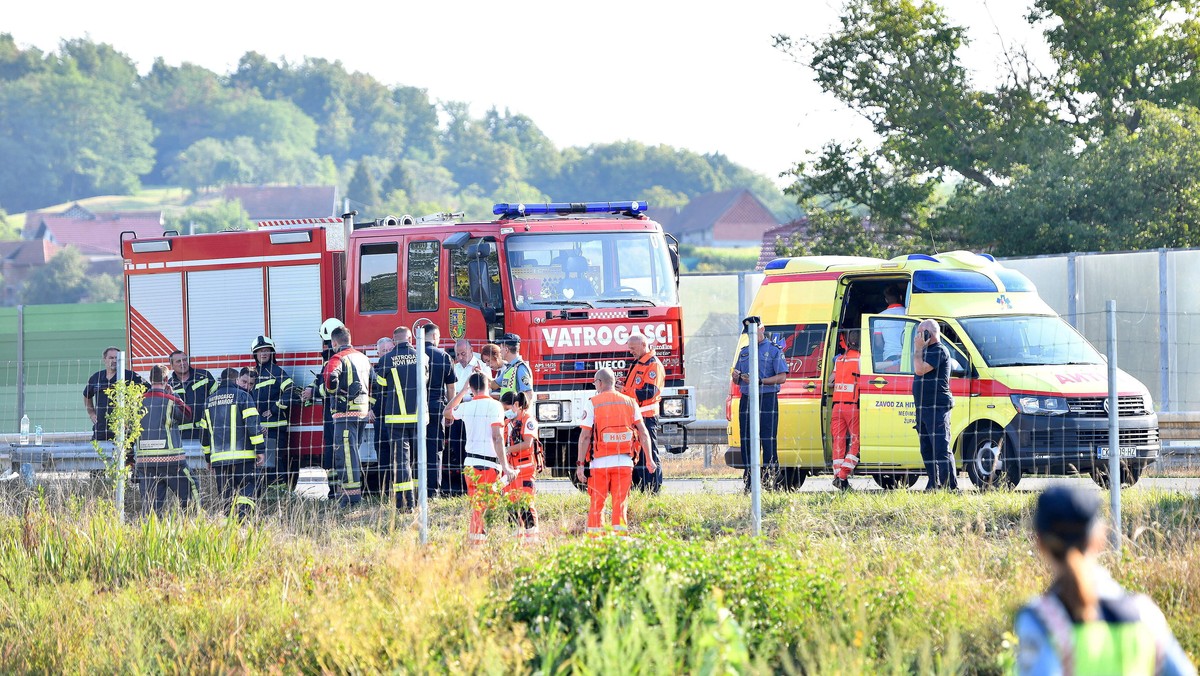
<point>890,482</point>
<point>987,460</point>
<point>791,478</point>
<point>1130,473</point>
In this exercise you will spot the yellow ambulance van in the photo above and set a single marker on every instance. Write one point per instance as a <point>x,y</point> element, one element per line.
<point>1030,393</point>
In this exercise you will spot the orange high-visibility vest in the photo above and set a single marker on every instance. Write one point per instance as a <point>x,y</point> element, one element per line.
<point>647,370</point>
<point>516,434</point>
<point>845,378</point>
<point>613,430</point>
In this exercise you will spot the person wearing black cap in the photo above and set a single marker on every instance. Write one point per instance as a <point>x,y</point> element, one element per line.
<point>772,372</point>
<point>515,376</point>
<point>1086,623</point>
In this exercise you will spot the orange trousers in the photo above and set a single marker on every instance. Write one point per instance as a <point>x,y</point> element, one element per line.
<point>526,519</point>
<point>476,533</point>
<point>845,421</point>
<point>603,482</point>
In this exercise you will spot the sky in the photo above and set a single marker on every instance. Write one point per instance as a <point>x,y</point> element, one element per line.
<point>700,75</point>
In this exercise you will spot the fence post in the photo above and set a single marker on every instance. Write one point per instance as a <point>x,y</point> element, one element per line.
<point>1164,334</point>
<point>751,324</point>
<point>741,287</point>
<point>1072,291</point>
<point>120,440</point>
<point>422,424</point>
<point>20,362</point>
<point>1114,434</point>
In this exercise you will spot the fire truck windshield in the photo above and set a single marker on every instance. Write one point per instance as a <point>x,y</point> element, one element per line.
<point>595,269</point>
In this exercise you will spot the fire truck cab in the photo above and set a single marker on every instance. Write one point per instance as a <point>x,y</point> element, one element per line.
<point>574,280</point>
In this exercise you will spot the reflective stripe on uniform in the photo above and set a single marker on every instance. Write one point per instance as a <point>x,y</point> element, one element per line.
<point>404,486</point>
<point>275,423</point>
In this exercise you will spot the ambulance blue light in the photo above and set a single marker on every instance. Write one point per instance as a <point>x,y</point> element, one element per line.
<point>952,281</point>
<point>990,257</point>
<point>922,257</point>
<point>778,264</point>
<point>507,209</point>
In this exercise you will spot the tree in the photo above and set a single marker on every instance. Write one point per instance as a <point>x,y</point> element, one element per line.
<point>65,137</point>
<point>63,280</point>
<point>840,233</point>
<point>8,230</point>
<point>397,179</point>
<point>213,217</point>
<point>897,64</point>
<point>363,188</point>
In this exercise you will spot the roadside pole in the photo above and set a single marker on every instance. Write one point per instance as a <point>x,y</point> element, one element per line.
<point>422,423</point>
<point>751,324</point>
<point>1114,433</point>
<point>120,440</point>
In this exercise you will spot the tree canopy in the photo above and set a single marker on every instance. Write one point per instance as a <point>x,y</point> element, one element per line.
<point>1093,155</point>
<point>82,121</point>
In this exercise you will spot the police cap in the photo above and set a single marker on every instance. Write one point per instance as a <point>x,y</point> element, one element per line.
<point>510,340</point>
<point>1066,513</point>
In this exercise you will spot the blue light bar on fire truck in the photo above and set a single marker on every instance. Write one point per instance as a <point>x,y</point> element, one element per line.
<point>517,210</point>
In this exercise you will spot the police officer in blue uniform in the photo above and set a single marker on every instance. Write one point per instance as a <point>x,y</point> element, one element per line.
<point>772,371</point>
<point>397,380</point>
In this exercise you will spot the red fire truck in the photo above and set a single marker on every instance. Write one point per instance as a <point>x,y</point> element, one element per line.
<point>574,280</point>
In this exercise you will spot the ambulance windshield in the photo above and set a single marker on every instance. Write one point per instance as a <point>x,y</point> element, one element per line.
<point>1029,341</point>
<point>604,269</point>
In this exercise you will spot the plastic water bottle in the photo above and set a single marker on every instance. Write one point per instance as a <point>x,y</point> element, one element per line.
<point>37,435</point>
<point>24,430</point>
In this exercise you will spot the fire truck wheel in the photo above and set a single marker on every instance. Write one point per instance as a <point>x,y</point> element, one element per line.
<point>890,482</point>
<point>1130,473</point>
<point>988,460</point>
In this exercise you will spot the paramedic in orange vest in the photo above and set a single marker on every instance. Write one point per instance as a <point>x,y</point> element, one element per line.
<point>613,421</point>
<point>521,446</point>
<point>644,384</point>
<point>845,411</point>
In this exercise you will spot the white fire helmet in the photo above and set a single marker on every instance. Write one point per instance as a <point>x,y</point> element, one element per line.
<point>328,326</point>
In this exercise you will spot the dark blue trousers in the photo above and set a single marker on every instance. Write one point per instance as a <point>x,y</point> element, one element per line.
<point>643,479</point>
<point>768,428</point>
<point>933,432</point>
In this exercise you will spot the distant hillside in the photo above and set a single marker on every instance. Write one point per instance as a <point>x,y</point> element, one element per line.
<point>81,121</point>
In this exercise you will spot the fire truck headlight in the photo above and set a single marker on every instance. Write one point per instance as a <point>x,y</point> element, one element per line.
<point>674,407</point>
<point>554,411</point>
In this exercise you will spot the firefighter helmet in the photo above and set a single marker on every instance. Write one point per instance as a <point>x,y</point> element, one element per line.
<point>328,327</point>
<point>262,342</point>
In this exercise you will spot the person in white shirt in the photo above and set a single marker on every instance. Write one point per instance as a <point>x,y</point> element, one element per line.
<point>485,461</point>
<point>891,333</point>
<point>466,362</point>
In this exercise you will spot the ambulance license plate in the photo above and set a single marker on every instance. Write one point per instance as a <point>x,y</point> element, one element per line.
<point>1126,451</point>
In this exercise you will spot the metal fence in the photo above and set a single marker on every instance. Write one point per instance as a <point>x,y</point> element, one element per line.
<point>1158,327</point>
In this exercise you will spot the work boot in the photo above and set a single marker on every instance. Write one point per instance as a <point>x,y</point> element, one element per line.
<point>845,485</point>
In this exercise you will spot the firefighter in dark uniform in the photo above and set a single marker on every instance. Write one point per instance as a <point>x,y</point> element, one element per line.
<point>644,384</point>
<point>274,394</point>
<point>397,385</point>
<point>346,388</point>
<point>193,386</point>
<point>233,440</point>
<point>159,462</point>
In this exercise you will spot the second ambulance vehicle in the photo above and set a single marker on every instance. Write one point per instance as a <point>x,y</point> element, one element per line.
<point>1030,393</point>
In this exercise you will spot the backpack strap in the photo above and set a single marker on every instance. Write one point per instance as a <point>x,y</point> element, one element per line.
<point>1054,617</point>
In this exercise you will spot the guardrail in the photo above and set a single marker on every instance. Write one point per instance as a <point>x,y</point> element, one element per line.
<point>73,451</point>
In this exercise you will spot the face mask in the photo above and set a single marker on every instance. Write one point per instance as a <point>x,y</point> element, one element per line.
<point>510,414</point>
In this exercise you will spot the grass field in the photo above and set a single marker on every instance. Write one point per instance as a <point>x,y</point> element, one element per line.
<point>884,582</point>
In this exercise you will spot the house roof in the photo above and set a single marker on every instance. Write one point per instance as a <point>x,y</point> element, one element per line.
<point>265,203</point>
<point>767,253</point>
<point>704,211</point>
<point>31,253</point>
<point>93,233</point>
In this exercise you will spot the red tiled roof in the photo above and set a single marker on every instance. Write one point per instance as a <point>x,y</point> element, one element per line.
<point>33,253</point>
<point>266,203</point>
<point>767,253</point>
<point>99,234</point>
<point>729,206</point>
